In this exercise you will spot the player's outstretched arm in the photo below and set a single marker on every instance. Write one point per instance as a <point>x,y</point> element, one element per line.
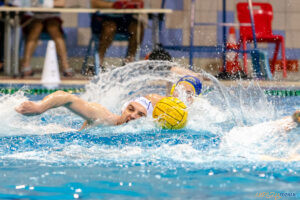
<point>87,110</point>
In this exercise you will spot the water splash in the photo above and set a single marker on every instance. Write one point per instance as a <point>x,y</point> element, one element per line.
<point>224,124</point>
<point>12,123</point>
<point>115,87</point>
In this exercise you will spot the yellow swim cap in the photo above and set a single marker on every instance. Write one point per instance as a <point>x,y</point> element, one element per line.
<point>192,81</point>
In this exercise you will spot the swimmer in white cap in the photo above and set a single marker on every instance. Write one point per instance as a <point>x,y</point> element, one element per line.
<point>93,113</point>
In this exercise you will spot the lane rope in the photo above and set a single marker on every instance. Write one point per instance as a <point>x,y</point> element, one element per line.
<point>38,91</point>
<point>282,93</point>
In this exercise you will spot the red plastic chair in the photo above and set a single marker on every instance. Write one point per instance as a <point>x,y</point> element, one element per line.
<point>263,16</point>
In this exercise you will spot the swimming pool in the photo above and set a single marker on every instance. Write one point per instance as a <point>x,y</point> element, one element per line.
<point>217,156</point>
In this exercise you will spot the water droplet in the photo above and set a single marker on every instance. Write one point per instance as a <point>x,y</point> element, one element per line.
<point>20,187</point>
<point>78,190</point>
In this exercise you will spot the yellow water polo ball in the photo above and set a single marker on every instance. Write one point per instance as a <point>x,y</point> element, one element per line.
<point>170,113</point>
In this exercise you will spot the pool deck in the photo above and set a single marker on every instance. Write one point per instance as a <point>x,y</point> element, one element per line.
<point>69,81</point>
<point>228,83</point>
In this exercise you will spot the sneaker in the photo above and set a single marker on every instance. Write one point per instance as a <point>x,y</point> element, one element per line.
<point>240,74</point>
<point>223,76</point>
<point>103,69</point>
<point>26,71</point>
<point>68,72</point>
<point>91,70</point>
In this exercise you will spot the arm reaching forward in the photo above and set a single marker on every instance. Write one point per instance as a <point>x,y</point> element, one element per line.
<point>87,110</point>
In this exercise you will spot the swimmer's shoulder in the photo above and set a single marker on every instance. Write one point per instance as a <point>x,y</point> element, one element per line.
<point>154,98</point>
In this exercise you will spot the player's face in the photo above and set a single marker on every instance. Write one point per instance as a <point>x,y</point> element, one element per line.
<point>185,91</point>
<point>133,111</point>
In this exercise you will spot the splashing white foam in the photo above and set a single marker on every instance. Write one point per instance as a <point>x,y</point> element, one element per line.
<point>13,123</point>
<point>234,118</point>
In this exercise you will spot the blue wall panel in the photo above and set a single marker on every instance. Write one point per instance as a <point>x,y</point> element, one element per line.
<point>84,20</point>
<point>174,4</point>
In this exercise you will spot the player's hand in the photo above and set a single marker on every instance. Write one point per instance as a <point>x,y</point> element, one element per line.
<point>29,108</point>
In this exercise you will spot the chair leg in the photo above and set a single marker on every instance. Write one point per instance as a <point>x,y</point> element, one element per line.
<point>283,57</point>
<point>236,58</point>
<point>21,45</point>
<point>245,55</point>
<point>274,58</point>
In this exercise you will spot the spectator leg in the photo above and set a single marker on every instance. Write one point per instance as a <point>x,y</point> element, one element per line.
<point>1,45</point>
<point>53,28</point>
<point>31,43</point>
<point>108,32</point>
<point>133,42</point>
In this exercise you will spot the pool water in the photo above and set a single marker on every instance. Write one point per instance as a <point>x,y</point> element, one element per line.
<point>218,155</point>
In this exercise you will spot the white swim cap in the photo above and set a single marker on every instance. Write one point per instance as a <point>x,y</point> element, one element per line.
<point>144,102</point>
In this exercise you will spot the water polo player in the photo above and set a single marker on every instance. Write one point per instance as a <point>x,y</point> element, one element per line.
<point>187,86</point>
<point>95,113</point>
<point>186,89</point>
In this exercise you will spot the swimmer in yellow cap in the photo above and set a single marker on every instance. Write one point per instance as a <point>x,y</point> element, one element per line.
<point>188,86</point>
<point>186,89</point>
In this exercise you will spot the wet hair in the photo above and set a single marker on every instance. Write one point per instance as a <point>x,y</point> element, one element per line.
<point>160,54</point>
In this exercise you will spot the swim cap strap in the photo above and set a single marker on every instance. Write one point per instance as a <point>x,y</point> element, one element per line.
<point>172,89</point>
